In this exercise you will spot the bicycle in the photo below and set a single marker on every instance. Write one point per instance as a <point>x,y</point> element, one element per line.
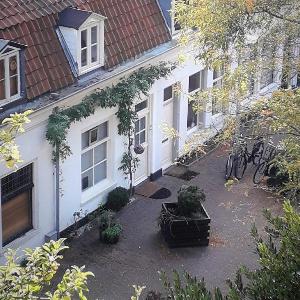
<point>237,162</point>
<point>263,169</point>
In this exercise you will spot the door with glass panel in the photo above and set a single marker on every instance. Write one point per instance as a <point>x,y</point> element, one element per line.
<point>141,139</point>
<point>167,142</point>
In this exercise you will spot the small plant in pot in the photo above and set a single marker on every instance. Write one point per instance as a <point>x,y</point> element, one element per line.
<point>186,222</point>
<point>109,230</point>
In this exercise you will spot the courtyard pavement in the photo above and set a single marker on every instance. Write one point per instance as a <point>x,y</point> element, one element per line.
<point>141,251</point>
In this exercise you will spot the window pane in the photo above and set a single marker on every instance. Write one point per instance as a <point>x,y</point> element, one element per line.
<point>16,181</point>
<point>136,140</point>
<point>143,137</point>
<point>141,106</point>
<point>137,126</point>
<point>168,93</point>
<point>100,172</point>
<point>13,86</point>
<point>83,39</point>
<point>2,71</point>
<point>87,179</point>
<point>94,53</point>
<point>142,123</point>
<point>85,140</point>
<point>83,57</point>
<point>94,35</point>
<point>13,66</point>
<point>2,90</point>
<point>94,135</point>
<point>100,153</point>
<point>102,131</point>
<point>86,160</point>
<point>16,217</point>
<point>192,117</point>
<point>194,82</point>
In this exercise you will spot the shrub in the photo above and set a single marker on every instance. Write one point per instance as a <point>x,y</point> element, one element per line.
<point>111,234</point>
<point>117,199</point>
<point>189,200</point>
<point>106,219</point>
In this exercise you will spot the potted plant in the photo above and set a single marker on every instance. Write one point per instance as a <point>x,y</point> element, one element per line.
<point>109,230</point>
<point>185,223</point>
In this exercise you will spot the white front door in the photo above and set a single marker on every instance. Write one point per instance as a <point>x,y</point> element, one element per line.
<point>167,142</point>
<point>141,137</point>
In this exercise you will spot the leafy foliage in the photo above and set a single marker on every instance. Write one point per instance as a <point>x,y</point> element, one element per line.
<point>248,40</point>
<point>9,152</point>
<point>30,281</point>
<point>111,234</point>
<point>189,200</point>
<point>191,288</point>
<point>122,95</point>
<point>279,258</point>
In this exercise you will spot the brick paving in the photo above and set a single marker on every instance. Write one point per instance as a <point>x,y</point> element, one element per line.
<point>141,252</point>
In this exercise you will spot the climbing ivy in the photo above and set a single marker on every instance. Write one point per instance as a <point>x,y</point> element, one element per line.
<point>121,94</point>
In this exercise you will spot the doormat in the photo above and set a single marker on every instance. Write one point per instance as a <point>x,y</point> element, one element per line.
<point>147,189</point>
<point>162,193</point>
<point>182,172</point>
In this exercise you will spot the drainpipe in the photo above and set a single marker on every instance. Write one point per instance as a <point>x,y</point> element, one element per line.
<point>57,191</point>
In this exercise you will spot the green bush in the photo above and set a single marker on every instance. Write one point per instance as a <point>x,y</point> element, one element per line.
<point>106,219</point>
<point>189,200</point>
<point>111,234</point>
<point>117,199</point>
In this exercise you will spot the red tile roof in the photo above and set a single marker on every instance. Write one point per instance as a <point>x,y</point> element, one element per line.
<point>132,27</point>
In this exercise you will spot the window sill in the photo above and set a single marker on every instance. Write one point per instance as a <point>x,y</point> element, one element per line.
<point>192,130</point>
<point>268,89</point>
<point>97,190</point>
<point>84,71</point>
<point>11,100</point>
<point>20,241</point>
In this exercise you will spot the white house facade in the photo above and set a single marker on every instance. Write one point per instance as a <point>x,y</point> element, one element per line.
<point>29,195</point>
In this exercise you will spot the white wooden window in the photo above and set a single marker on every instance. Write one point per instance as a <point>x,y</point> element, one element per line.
<point>194,86</point>
<point>218,74</point>
<point>94,156</point>
<point>140,131</point>
<point>9,75</point>
<point>90,46</point>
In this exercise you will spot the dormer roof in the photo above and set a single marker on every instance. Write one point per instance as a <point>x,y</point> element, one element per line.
<point>75,18</point>
<point>6,43</point>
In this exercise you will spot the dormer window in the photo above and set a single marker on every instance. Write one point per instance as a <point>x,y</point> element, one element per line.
<point>87,28</point>
<point>10,79</point>
<point>89,43</point>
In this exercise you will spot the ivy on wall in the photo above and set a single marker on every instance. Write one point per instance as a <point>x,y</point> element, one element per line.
<point>122,95</point>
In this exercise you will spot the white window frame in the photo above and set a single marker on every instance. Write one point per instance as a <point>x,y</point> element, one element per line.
<point>92,146</point>
<point>6,57</point>
<point>194,128</point>
<point>217,82</point>
<point>100,44</point>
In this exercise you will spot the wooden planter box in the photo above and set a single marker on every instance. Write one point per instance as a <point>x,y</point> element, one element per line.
<point>180,232</point>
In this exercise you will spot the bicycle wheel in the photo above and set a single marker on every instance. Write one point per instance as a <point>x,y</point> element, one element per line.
<point>229,167</point>
<point>257,153</point>
<point>259,173</point>
<point>240,165</point>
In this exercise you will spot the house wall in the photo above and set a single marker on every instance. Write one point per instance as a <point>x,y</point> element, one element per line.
<point>35,148</point>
